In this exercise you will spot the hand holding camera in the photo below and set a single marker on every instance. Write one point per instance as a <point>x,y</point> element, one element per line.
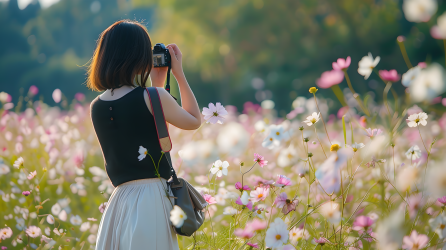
<point>165,58</point>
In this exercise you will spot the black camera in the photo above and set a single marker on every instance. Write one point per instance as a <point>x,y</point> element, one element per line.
<point>161,56</point>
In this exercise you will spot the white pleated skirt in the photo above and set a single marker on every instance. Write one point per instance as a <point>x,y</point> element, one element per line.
<point>137,217</point>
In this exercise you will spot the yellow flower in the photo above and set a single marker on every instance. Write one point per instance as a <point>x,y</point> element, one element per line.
<point>313,90</point>
<point>335,147</point>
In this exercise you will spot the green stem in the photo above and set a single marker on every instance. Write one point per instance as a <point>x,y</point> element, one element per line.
<point>355,95</point>
<point>404,53</point>
<point>320,141</point>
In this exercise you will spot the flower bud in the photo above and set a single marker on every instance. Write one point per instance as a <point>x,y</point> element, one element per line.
<point>310,154</point>
<point>242,164</point>
<point>313,90</point>
<point>301,175</point>
<point>306,139</point>
<point>301,128</point>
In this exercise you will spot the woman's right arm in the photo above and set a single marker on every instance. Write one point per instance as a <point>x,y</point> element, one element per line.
<point>187,117</point>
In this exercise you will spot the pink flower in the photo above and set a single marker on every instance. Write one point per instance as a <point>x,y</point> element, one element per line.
<point>78,159</point>
<point>26,193</point>
<point>238,186</point>
<point>282,181</point>
<point>5,233</point>
<point>436,33</point>
<point>363,121</point>
<point>391,75</point>
<point>33,90</point>
<point>4,248</point>
<point>215,113</point>
<point>32,175</point>
<point>422,65</point>
<point>246,233</point>
<point>80,97</point>
<point>372,133</point>
<point>442,200</point>
<point>102,207</point>
<point>33,231</point>
<point>330,78</point>
<point>209,199</point>
<point>416,202</point>
<point>281,200</point>
<point>415,241</point>
<point>260,160</point>
<point>342,63</point>
<point>362,223</point>
<point>321,241</point>
<point>57,95</point>
<point>253,245</point>
<point>259,194</point>
<point>257,225</point>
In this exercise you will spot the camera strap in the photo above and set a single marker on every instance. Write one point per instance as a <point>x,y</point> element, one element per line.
<point>168,81</point>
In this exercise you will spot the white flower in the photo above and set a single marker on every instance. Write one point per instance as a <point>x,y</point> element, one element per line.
<point>297,234</point>
<point>5,233</point>
<point>277,132</point>
<point>277,234</point>
<point>429,83</point>
<point>287,156</point>
<point>270,142</point>
<point>142,153</point>
<point>245,197</point>
<point>410,75</point>
<point>220,168</point>
<point>419,10</point>
<point>85,226</point>
<point>75,220</point>
<point>19,163</point>
<point>177,216</point>
<point>4,169</point>
<point>33,231</point>
<point>367,64</point>
<point>47,231</point>
<point>63,215</point>
<point>215,113</point>
<point>413,153</point>
<point>330,211</point>
<point>50,219</point>
<point>312,119</point>
<point>355,146</point>
<point>441,22</point>
<point>230,210</point>
<point>32,175</point>
<point>439,225</point>
<point>416,119</point>
<point>92,238</point>
<point>55,209</point>
<point>4,97</point>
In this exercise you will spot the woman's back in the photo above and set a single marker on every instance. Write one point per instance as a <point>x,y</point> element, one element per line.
<point>122,126</point>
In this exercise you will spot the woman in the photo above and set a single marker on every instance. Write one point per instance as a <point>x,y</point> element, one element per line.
<point>137,215</point>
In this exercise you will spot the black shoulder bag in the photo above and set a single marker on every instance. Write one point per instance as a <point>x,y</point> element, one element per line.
<point>186,196</point>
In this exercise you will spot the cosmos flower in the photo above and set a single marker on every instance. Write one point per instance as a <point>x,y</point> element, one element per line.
<point>253,245</point>
<point>245,233</point>
<point>33,231</point>
<point>297,234</point>
<point>413,153</point>
<point>416,119</point>
<point>410,75</point>
<point>5,233</point>
<point>312,119</point>
<point>438,224</point>
<point>429,83</point>
<point>259,194</point>
<point>442,200</point>
<point>102,207</point>
<point>389,76</point>
<point>26,193</point>
<point>19,162</point>
<point>177,216</point>
<point>215,113</point>
<point>282,181</point>
<point>342,63</point>
<point>277,234</point>
<point>355,146</point>
<point>330,210</point>
<point>419,10</point>
<point>372,133</point>
<point>415,241</point>
<point>75,220</point>
<point>362,223</point>
<point>330,78</point>
<point>260,160</point>
<point>209,199</point>
<point>238,186</point>
<point>219,168</point>
<point>32,175</point>
<point>142,153</point>
<point>367,64</point>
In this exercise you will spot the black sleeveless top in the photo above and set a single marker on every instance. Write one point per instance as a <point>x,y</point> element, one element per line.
<point>121,126</point>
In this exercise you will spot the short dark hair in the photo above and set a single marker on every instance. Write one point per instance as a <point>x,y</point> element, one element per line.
<point>123,50</point>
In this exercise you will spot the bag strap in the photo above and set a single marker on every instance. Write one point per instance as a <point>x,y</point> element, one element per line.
<point>161,128</point>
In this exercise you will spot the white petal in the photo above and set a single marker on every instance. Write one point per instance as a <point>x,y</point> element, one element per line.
<point>214,170</point>
<point>225,164</point>
<point>224,171</point>
<point>212,107</point>
<point>218,163</point>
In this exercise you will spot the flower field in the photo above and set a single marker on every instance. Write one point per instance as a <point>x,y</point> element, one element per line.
<point>368,176</point>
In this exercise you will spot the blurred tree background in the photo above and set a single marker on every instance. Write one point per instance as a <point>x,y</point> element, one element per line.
<point>234,50</point>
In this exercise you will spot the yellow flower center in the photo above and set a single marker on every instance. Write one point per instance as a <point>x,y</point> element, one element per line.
<point>215,114</point>
<point>271,139</point>
<point>260,196</point>
<point>259,212</point>
<point>181,216</point>
<point>313,120</point>
<point>355,149</point>
<point>277,133</point>
<point>221,168</point>
<point>417,120</point>
<point>145,152</point>
<point>442,226</point>
<point>278,237</point>
<point>294,234</point>
<point>334,147</point>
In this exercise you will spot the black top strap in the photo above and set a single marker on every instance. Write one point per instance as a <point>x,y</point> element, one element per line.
<point>160,122</point>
